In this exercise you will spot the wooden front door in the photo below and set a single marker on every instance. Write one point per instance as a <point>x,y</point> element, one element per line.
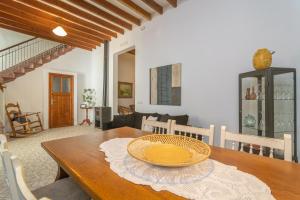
<point>60,100</point>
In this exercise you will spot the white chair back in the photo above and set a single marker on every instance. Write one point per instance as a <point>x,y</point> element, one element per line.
<point>252,141</point>
<point>157,127</point>
<point>9,175</point>
<point>194,131</point>
<point>23,191</point>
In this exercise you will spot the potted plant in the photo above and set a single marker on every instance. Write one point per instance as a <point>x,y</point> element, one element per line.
<point>89,97</point>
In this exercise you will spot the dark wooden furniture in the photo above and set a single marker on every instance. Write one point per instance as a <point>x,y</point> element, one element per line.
<point>22,123</point>
<point>81,159</point>
<point>271,101</point>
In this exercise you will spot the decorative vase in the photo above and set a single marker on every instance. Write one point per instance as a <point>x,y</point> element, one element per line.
<point>248,94</point>
<point>253,94</point>
<point>262,59</point>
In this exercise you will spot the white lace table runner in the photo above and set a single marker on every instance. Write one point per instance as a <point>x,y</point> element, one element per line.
<point>215,181</point>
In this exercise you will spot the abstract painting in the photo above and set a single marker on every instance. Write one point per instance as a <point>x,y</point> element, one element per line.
<point>165,85</point>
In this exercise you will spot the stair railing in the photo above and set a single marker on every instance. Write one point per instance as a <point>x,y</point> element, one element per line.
<point>23,51</point>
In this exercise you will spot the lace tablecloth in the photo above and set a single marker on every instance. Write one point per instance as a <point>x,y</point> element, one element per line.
<point>216,181</point>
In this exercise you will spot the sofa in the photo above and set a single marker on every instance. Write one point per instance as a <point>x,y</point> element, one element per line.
<point>134,120</point>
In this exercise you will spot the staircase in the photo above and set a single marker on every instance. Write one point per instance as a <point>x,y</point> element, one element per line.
<point>19,59</point>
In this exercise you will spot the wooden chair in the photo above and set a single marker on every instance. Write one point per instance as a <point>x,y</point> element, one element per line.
<point>22,123</point>
<point>122,110</point>
<point>196,132</point>
<point>65,189</point>
<point>256,143</point>
<point>157,127</point>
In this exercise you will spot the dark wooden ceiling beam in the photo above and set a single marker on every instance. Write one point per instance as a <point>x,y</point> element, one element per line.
<point>32,33</point>
<point>173,3</point>
<point>46,29</point>
<point>68,17</point>
<point>78,12</point>
<point>136,8</point>
<point>101,13</point>
<point>118,11</point>
<point>25,9</point>
<point>155,6</point>
<point>12,13</point>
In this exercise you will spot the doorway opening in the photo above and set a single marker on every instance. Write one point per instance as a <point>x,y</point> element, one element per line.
<point>61,100</point>
<point>126,82</point>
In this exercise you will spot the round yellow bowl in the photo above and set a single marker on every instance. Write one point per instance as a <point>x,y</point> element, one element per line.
<point>168,150</point>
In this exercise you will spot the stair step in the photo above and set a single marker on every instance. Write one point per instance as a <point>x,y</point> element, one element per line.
<point>8,78</point>
<point>18,73</point>
<point>29,67</point>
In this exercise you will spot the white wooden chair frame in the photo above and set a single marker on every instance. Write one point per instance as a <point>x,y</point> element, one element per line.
<point>273,143</point>
<point>194,130</point>
<point>14,174</point>
<point>160,126</point>
<point>23,191</point>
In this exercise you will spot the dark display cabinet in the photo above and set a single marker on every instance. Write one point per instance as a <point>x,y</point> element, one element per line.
<point>267,104</point>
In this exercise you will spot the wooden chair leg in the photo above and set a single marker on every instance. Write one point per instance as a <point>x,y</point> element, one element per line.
<point>40,121</point>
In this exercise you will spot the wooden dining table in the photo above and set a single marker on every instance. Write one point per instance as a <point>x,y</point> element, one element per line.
<point>80,158</point>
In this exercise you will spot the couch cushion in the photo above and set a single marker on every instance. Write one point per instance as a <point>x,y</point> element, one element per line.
<point>139,116</point>
<point>180,119</point>
<point>123,120</point>
<point>64,189</point>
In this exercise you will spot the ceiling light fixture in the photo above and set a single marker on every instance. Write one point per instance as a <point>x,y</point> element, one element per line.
<point>60,31</point>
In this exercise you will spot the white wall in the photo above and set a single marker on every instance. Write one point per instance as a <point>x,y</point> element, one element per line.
<point>9,38</point>
<point>29,90</point>
<point>126,73</point>
<point>214,40</point>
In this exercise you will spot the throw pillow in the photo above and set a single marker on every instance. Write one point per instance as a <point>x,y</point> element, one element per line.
<point>149,128</point>
<point>138,118</point>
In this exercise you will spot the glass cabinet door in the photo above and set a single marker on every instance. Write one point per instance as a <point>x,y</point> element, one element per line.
<point>252,106</point>
<point>284,97</point>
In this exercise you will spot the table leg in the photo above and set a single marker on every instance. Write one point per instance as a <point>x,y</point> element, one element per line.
<point>86,120</point>
<point>61,174</point>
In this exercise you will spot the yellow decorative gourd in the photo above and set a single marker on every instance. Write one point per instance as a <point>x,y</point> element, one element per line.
<point>262,59</point>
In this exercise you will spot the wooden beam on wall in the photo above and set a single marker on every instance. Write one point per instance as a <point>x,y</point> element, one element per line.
<point>65,15</point>
<point>101,13</point>
<point>173,3</point>
<point>155,6</point>
<point>78,12</point>
<point>118,11</point>
<point>136,8</point>
<point>32,33</point>
<point>22,9</point>
<point>12,13</point>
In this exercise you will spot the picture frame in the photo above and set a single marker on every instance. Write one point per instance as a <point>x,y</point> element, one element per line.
<point>125,90</point>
